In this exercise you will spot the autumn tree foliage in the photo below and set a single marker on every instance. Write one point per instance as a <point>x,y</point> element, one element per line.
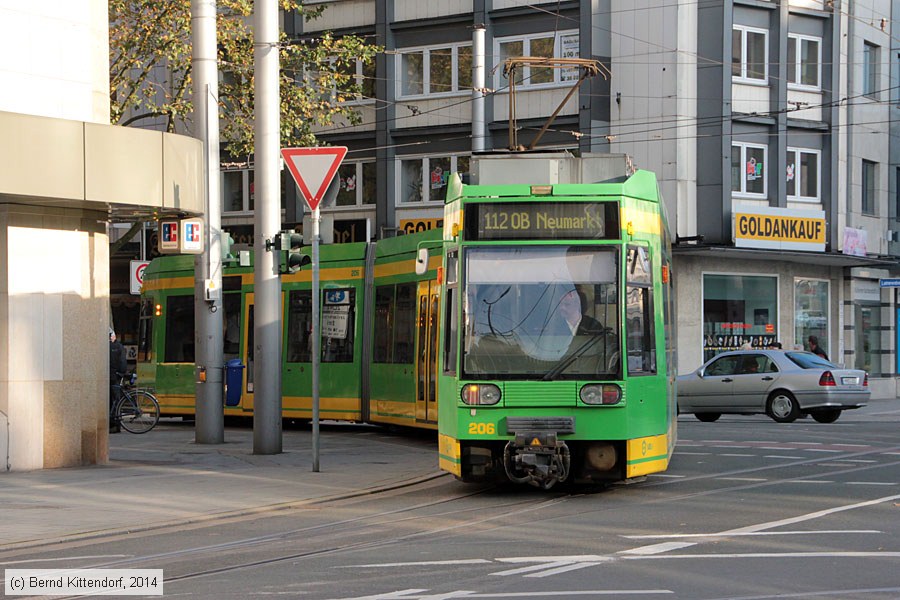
<point>150,71</point>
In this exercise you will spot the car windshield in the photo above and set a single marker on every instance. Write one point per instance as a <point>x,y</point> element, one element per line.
<point>547,312</point>
<point>808,360</point>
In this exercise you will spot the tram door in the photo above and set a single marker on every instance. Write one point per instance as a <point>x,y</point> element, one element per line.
<point>426,357</point>
<point>247,400</point>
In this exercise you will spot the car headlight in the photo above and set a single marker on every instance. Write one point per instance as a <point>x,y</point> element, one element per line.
<point>480,394</point>
<point>601,393</point>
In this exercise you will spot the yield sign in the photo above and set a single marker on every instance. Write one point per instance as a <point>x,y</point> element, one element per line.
<point>313,169</point>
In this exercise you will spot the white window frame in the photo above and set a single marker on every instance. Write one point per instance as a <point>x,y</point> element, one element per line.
<point>426,70</point>
<point>742,193</point>
<point>454,162</point>
<point>743,78</point>
<point>796,153</point>
<point>798,40</point>
<point>358,164</point>
<point>561,77</point>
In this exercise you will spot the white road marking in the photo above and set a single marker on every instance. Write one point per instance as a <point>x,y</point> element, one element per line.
<point>89,556</point>
<point>464,561</point>
<point>693,453</point>
<point>405,594</point>
<point>808,481</point>
<point>651,536</point>
<point>667,546</point>
<point>822,450</point>
<point>859,460</point>
<point>743,478</point>
<point>735,446</point>
<point>871,483</point>
<point>777,555</point>
<point>666,475</point>
<point>777,456</point>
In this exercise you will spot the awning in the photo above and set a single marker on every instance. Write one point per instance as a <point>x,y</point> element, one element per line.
<point>829,259</point>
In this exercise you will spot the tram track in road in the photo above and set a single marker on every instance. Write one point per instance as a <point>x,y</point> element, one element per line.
<point>382,528</point>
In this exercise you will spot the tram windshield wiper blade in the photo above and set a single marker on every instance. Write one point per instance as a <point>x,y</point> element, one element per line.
<point>564,363</point>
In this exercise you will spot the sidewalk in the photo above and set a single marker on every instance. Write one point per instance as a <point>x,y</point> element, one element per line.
<point>163,478</point>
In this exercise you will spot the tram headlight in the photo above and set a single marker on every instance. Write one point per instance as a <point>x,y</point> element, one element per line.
<point>480,394</point>
<point>601,393</point>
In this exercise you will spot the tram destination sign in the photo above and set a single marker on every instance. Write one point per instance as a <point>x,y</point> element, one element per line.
<point>486,221</point>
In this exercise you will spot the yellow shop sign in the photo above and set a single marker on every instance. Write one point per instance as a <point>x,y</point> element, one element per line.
<point>779,228</point>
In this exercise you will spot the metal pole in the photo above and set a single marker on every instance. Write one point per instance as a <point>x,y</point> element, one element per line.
<point>267,312</point>
<point>209,358</point>
<point>478,125</point>
<point>316,339</point>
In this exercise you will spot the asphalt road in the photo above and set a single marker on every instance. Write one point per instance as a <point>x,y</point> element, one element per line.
<point>749,509</point>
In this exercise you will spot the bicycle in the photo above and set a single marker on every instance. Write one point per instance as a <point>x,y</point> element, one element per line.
<point>137,410</point>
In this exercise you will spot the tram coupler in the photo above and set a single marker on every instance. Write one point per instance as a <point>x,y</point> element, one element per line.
<point>537,458</point>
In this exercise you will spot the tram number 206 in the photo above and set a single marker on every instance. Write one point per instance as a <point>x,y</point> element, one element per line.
<point>482,429</point>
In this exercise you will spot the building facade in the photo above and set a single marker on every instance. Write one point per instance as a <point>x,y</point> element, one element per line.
<point>769,134</point>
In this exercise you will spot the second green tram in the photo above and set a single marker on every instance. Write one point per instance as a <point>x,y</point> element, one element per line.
<point>533,331</point>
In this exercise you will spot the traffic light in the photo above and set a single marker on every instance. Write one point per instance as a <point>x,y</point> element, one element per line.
<point>293,242</point>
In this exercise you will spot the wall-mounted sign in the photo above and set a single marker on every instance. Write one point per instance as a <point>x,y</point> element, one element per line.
<point>779,228</point>
<point>192,236</point>
<point>418,225</point>
<point>168,237</point>
<point>855,242</point>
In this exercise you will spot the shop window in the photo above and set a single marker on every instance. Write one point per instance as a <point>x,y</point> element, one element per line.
<point>547,45</point>
<point>802,174</point>
<point>357,184</point>
<point>435,70</point>
<point>179,347</point>
<point>738,310</point>
<point>238,189</point>
<point>749,54</point>
<point>810,310</point>
<point>429,173</point>
<point>868,338</point>
<point>804,61</point>
<point>748,174</point>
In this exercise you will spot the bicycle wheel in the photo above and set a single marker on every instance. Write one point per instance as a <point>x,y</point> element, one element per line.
<point>138,411</point>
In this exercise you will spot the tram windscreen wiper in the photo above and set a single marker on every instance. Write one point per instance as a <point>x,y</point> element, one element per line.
<point>567,361</point>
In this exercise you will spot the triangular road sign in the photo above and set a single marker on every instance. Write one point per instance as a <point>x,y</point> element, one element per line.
<point>313,169</point>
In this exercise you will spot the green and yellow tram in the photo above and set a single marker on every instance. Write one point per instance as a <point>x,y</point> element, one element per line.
<point>532,331</point>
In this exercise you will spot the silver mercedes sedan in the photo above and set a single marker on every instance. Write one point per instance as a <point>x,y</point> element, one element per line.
<point>782,384</point>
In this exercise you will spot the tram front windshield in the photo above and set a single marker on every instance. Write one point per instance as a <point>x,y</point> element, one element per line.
<point>541,312</point>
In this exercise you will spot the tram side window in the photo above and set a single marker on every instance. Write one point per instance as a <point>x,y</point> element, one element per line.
<point>640,343</point>
<point>338,325</point>
<point>384,321</point>
<point>145,331</point>
<point>179,329</point>
<point>231,302</point>
<point>451,319</point>
<point>395,313</point>
<point>405,324</point>
<point>299,342</point>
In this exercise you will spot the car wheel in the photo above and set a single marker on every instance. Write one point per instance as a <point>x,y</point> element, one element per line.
<point>827,416</point>
<point>782,407</point>
<point>708,417</point>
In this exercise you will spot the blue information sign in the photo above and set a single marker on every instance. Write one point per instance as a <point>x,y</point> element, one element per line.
<point>889,282</point>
